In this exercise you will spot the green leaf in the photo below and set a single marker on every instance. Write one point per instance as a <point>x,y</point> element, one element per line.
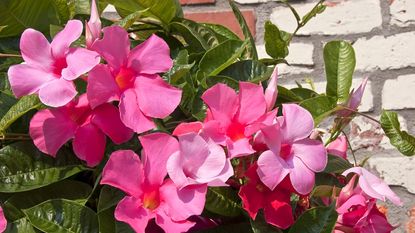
<point>67,189</point>
<point>325,191</point>
<point>275,45</point>
<point>223,201</point>
<point>222,31</point>
<point>336,164</point>
<point>403,141</point>
<point>163,10</point>
<point>285,95</point>
<point>316,220</point>
<point>107,222</point>
<point>24,168</point>
<point>246,70</point>
<point>320,107</point>
<point>317,9</point>
<point>253,54</point>
<point>304,93</point>
<point>127,21</point>
<point>213,80</point>
<point>65,9</point>
<point>259,225</point>
<point>109,197</point>
<point>6,102</point>
<point>242,227</point>
<point>23,105</point>
<point>20,226</point>
<point>218,58</point>
<point>63,216</point>
<point>339,61</point>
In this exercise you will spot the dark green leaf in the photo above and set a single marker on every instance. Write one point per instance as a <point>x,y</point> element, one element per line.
<point>320,107</point>
<point>339,61</point>
<point>224,32</point>
<point>109,197</point>
<point>275,45</point>
<point>325,191</point>
<point>212,80</point>
<point>403,141</point>
<point>336,164</point>
<point>130,19</point>
<point>63,216</point>
<point>223,201</point>
<point>316,220</point>
<point>304,93</point>
<point>24,168</point>
<point>20,226</point>
<point>285,95</point>
<point>107,221</point>
<point>246,70</point>
<point>259,225</point>
<point>243,227</point>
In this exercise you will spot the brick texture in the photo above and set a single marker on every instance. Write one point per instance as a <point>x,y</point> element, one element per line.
<point>226,18</point>
<point>399,93</point>
<point>195,2</point>
<point>402,12</point>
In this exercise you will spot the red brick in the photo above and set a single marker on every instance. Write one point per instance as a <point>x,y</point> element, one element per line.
<point>225,18</point>
<point>194,2</point>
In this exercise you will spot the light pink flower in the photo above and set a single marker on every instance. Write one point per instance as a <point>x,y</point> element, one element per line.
<point>50,129</point>
<point>50,68</point>
<point>149,194</point>
<point>338,147</point>
<point>131,77</point>
<point>271,92</point>
<point>93,26</point>
<point>358,213</point>
<point>355,98</point>
<point>372,186</point>
<point>291,151</point>
<point>199,162</point>
<point>3,221</point>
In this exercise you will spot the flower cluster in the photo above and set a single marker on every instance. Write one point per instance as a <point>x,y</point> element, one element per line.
<point>243,142</point>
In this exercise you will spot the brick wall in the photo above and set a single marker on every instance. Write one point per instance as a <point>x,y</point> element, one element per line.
<point>383,35</point>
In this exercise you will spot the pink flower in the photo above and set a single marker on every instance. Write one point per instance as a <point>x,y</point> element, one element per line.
<point>358,213</point>
<point>199,162</point>
<point>372,186</point>
<point>93,26</point>
<point>149,194</point>
<point>355,98</point>
<point>50,129</point>
<point>131,77</point>
<point>50,68</point>
<point>338,147</point>
<point>3,221</point>
<point>276,204</point>
<point>271,92</point>
<point>291,151</point>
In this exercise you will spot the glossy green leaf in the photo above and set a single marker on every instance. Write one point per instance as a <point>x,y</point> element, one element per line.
<point>316,220</point>
<point>24,168</point>
<point>223,201</point>
<point>127,21</point>
<point>253,54</point>
<point>6,102</point>
<point>109,197</point>
<point>320,107</point>
<point>339,61</point>
<point>317,9</point>
<point>325,191</point>
<point>106,220</point>
<point>285,95</point>
<point>223,32</point>
<point>400,139</point>
<point>23,105</point>
<point>304,93</point>
<point>63,216</point>
<point>20,226</point>
<point>336,164</point>
<point>220,57</point>
<point>212,80</point>
<point>65,9</point>
<point>259,225</point>
<point>246,70</point>
<point>275,45</point>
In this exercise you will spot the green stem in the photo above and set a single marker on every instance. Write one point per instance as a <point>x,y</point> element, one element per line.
<point>350,147</point>
<point>9,55</point>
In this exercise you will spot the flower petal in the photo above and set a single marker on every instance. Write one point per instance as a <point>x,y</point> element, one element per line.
<point>3,221</point>
<point>93,151</point>
<point>93,26</point>
<point>239,148</point>
<point>157,148</point>
<point>114,46</point>
<point>171,226</point>
<point>278,211</point>
<point>79,61</point>
<point>151,57</point>
<point>356,96</point>
<point>156,98</point>
<point>50,129</point>
<point>271,169</point>
<point>252,198</point>
<point>27,80</point>
<point>63,40</point>
<point>271,91</point>
<point>35,50</point>
<point>252,103</point>
<point>183,203</point>
<point>101,87</point>
<point>297,124</point>
<point>222,102</point>
<point>120,163</point>
<point>175,170</point>
<point>312,153</point>
<point>185,127</point>
<point>272,137</point>
<point>302,178</point>
<point>338,147</point>
<point>131,115</point>
<point>131,211</point>
<point>57,93</point>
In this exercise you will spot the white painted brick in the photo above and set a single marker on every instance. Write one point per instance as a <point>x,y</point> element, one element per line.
<point>284,69</point>
<point>345,17</point>
<point>110,13</point>
<point>395,170</point>
<point>399,93</point>
<point>379,52</point>
<point>402,12</point>
<point>300,53</point>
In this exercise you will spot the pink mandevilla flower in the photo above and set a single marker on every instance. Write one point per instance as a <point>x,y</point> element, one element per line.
<point>49,69</point>
<point>149,194</point>
<point>51,128</point>
<point>291,151</point>
<point>199,162</point>
<point>354,100</point>
<point>276,204</point>
<point>3,221</point>
<point>358,212</point>
<point>93,26</point>
<point>338,147</point>
<point>131,77</point>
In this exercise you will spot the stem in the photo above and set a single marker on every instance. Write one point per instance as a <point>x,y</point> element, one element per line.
<point>9,55</point>
<point>350,147</point>
<point>359,113</point>
<point>14,136</point>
